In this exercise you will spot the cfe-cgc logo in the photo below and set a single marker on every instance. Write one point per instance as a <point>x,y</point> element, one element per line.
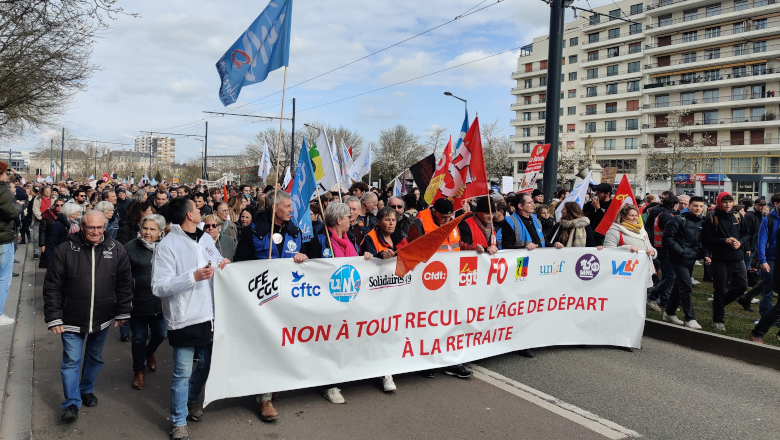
<point>265,285</point>
<point>625,269</point>
<point>434,276</point>
<point>345,283</point>
<point>521,272</point>
<point>555,268</point>
<point>587,267</point>
<point>468,271</point>
<point>301,288</point>
<point>500,269</point>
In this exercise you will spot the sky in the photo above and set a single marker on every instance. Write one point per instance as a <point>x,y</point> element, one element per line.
<point>157,71</point>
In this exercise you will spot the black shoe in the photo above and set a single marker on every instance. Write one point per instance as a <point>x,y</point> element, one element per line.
<point>124,338</point>
<point>15,275</point>
<point>429,374</point>
<point>70,414</point>
<point>458,371</point>
<point>527,353</point>
<point>22,242</point>
<point>36,256</point>
<point>89,400</point>
<point>17,261</point>
<point>745,303</point>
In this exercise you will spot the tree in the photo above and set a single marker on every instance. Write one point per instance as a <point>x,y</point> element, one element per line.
<point>678,152</point>
<point>45,51</point>
<point>496,149</point>
<point>396,151</point>
<point>435,141</point>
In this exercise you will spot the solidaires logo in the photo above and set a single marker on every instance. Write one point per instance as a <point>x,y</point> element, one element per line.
<point>345,283</point>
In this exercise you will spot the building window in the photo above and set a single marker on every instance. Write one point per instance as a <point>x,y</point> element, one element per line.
<point>739,27</point>
<point>661,101</point>
<point>612,70</point>
<point>632,106</point>
<point>665,20</point>
<point>712,54</point>
<point>740,165</point>
<point>740,49</point>
<point>609,144</point>
<point>687,98</point>
<point>542,98</point>
<point>739,5</point>
<point>637,9</point>
<point>613,14</point>
<point>573,93</point>
<point>593,73</point>
<point>710,117</point>
<point>757,114</point>
<point>712,32</point>
<point>613,52</point>
<point>542,81</point>
<point>635,47</point>
<point>738,115</point>
<point>590,109</point>
<point>759,46</point>
<point>574,41</point>
<point>632,124</point>
<point>633,86</point>
<point>688,78</point>
<point>713,10</point>
<point>526,147</point>
<point>610,125</point>
<point>711,96</point>
<point>570,128</point>
<point>542,64</point>
<point>572,76</point>
<point>690,36</point>
<point>611,107</point>
<point>689,57</point>
<point>590,127</point>
<point>594,19</point>
<point>572,59</point>
<point>540,131</point>
<point>690,14</point>
<point>632,143</point>
<point>613,33</point>
<point>593,56</point>
<point>773,165</point>
<point>612,89</point>
<point>635,28</point>
<point>712,75</point>
<point>521,166</point>
<point>527,116</point>
<point>572,110</point>
<point>528,83</point>
<point>622,165</point>
<point>634,67</point>
<point>739,72</point>
<point>593,91</point>
<point>527,132</point>
<point>541,115</point>
<point>593,38</point>
<point>759,69</point>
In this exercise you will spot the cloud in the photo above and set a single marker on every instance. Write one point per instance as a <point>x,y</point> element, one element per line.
<point>372,113</point>
<point>185,87</point>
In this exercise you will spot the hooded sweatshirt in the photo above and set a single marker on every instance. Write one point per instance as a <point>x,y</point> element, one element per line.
<point>718,227</point>
<point>767,238</point>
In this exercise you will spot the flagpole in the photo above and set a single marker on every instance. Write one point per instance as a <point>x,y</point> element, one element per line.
<point>278,153</point>
<point>327,233</point>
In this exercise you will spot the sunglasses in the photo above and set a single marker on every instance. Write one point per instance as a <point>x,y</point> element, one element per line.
<point>397,206</point>
<point>209,226</point>
<point>59,205</point>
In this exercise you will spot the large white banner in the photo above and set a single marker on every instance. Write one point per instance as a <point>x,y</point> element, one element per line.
<point>281,325</point>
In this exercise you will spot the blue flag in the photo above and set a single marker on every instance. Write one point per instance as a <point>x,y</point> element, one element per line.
<point>263,48</point>
<point>463,130</point>
<point>304,186</point>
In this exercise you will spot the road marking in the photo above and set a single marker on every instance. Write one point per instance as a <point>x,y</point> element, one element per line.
<point>577,415</point>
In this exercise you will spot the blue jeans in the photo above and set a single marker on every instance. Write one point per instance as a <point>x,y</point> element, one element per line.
<point>186,384</point>
<point>766,299</point>
<point>661,291</point>
<point>72,344</point>
<point>681,292</point>
<point>141,326</point>
<point>6,271</point>
<point>124,329</point>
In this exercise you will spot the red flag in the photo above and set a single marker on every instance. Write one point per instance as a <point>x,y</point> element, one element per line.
<point>105,177</point>
<point>423,248</point>
<point>623,195</point>
<point>289,188</point>
<point>442,165</point>
<point>466,176</point>
<point>224,191</point>
<point>534,167</point>
<point>350,152</point>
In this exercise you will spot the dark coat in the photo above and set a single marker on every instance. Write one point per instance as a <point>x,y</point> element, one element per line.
<point>753,220</point>
<point>56,234</point>
<point>682,239</point>
<point>144,302</point>
<point>9,211</point>
<point>127,231</point>
<point>75,267</point>
<point>717,227</point>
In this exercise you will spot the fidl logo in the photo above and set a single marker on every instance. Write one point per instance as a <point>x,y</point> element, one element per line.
<point>551,269</point>
<point>345,283</point>
<point>625,269</point>
<point>468,271</point>
<point>521,272</point>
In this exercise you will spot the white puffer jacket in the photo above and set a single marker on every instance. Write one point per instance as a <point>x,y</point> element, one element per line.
<point>640,241</point>
<point>185,302</point>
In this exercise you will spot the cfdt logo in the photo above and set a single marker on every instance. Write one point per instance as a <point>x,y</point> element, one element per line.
<point>500,269</point>
<point>301,288</point>
<point>468,271</point>
<point>521,272</point>
<point>265,286</point>
<point>587,267</point>
<point>625,269</point>
<point>551,269</point>
<point>434,276</point>
<point>345,283</point>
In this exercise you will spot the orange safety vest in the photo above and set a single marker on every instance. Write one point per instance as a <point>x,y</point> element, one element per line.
<point>378,244</point>
<point>477,236</point>
<point>658,234</point>
<point>452,244</point>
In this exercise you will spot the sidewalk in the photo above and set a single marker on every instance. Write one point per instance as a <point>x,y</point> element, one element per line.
<point>8,332</point>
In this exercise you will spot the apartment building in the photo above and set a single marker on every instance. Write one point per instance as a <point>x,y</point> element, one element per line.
<point>622,81</point>
<point>163,149</point>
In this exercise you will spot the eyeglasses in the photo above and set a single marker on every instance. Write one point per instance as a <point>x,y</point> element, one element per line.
<point>397,206</point>
<point>59,205</point>
<point>209,226</point>
<point>94,228</point>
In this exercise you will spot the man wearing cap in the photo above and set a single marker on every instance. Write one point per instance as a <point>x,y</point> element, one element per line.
<point>476,232</point>
<point>538,196</point>
<point>597,207</point>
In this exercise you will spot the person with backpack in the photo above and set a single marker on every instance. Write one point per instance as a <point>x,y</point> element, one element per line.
<point>766,241</point>
<point>724,235</point>
<point>683,246</point>
<point>659,296</point>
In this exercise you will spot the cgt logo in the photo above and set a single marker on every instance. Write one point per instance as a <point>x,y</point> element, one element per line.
<point>521,272</point>
<point>500,269</point>
<point>468,271</point>
<point>265,286</point>
<point>302,289</point>
<point>551,269</point>
<point>434,276</point>
<point>625,269</point>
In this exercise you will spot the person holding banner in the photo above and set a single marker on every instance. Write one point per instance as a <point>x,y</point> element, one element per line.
<point>574,228</point>
<point>522,229</point>
<point>477,232</point>
<point>279,233</point>
<point>385,239</point>
<point>627,233</point>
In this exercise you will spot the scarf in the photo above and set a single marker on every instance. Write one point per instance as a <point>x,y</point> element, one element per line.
<point>631,226</point>
<point>149,244</point>
<point>574,232</point>
<point>74,227</point>
<point>342,247</point>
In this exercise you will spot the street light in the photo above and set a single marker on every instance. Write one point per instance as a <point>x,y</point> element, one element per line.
<point>464,101</point>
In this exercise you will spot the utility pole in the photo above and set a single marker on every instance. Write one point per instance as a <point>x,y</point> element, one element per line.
<point>206,153</point>
<point>62,155</point>
<point>51,156</point>
<point>292,149</point>
<point>552,111</point>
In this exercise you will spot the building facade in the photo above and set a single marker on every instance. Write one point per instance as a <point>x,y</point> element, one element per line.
<point>712,66</point>
<point>163,149</point>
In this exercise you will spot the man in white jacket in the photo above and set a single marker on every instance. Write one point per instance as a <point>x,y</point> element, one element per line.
<point>182,272</point>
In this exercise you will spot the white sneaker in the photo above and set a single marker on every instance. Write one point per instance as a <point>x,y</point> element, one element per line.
<point>334,395</point>
<point>694,282</point>
<point>693,324</point>
<point>697,263</point>
<point>388,384</point>
<point>719,326</point>
<point>672,319</point>
<point>755,301</point>
<point>653,305</point>
<point>5,320</point>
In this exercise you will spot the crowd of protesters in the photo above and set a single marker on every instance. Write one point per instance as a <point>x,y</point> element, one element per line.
<point>133,255</point>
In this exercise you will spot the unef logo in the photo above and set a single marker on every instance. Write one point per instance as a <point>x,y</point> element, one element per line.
<point>345,283</point>
<point>587,267</point>
<point>521,272</point>
<point>625,269</point>
<point>266,286</point>
<point>551,269</point>
<point>500,269</point>
<point>468,271</point>
<point>434,276</point>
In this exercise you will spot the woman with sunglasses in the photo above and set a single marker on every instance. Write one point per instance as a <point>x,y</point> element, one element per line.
<point>226,246</point>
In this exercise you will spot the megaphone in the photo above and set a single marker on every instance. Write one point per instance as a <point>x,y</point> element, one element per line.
<point>584,173</point>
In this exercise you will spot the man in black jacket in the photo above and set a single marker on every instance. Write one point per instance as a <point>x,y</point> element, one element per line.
<point>725,235</point>
<point>88,284</point>
<point>598,206</point>
<point>9,211</point>
<point>659,296</point>
<point>682,244</point>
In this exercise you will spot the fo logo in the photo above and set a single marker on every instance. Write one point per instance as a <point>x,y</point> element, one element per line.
<point>434,276</point>
<point>587,267</point>
<point>345,283</point>
<point>500,269</point>
<point>625,269</point>
<point>521,272</point>
<point>468,271</point>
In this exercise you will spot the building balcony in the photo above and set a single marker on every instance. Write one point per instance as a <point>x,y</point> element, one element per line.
<point>606,96</point>
<point>747,146</point>
<point>606,114</point>
<point>618,150</point>
<point>526,90</point>
<point>725,79</point>
<point>521,122</point>
<point>728,58</point>
<point>704,19</point>
<point>529,73</point>
<point>619,40</point>
<point>667,6</point>
<point>699,125</point>
<point>622,57</point>
<point>621,76</point>
<point>528,105</point>
<point>724,37</point>
<point>603,133</point>
<point>699,104</point>
<point>605,22</point>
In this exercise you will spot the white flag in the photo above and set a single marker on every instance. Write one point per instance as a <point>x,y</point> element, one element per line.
<point>334,152</point>
<point>325,169</point>
<point>578,195</point>
<point>363,162</point>
<point>350,173</point>
<point>396,188</point>
<point>287,178</point>
<point>264,167</point>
